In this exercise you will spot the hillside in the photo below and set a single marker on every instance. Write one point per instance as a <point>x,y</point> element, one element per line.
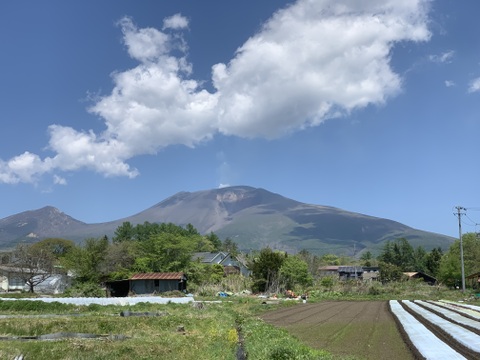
<point>252,217</point>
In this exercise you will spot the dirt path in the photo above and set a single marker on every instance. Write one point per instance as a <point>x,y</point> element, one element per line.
<point>365,329</point>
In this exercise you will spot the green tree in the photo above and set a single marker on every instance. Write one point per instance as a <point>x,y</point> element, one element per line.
<point>294,271</point>
<point>386,255</point>
<point>432,261</point>
<point>88,261</point>
<point>120,259</point>
<point>450,264</point>
<point>215,241</point>
<point>265,270</point>
<point>166,252</point>
<point>55,246</point>
<point>389,272</point>
<point>330,259</point>
<point>420,259</point>
<point>230,246</point>
<point>313,261</point>
<point>125,232</point>
<point>399,253</point>
<point>366,258</point>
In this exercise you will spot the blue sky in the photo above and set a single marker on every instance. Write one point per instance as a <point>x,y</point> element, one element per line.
<point>108,107</point>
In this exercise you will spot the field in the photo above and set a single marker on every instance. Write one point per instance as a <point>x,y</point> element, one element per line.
<point>279,330</point>
<point>371,329</point>
<point>363,329</point>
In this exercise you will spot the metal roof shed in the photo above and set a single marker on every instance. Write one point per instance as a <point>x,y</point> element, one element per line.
<point>148,283</point>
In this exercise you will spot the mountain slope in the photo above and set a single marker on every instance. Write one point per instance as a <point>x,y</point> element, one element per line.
<point>254,218</point>
<point>34,225</point>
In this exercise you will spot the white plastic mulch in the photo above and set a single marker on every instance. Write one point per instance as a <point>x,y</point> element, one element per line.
<point>430,346</point>
<point>111,301</point>
<point>460,334</point>
<point>452,315</point>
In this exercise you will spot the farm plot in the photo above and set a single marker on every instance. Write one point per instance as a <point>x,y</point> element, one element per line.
<point>363,329</point>
<point>440,330</point>
<point>366,329</point>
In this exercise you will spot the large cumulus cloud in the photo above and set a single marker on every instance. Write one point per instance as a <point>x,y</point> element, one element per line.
<point>312,61</point>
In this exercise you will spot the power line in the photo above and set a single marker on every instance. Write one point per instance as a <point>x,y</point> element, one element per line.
<point>459,214</point>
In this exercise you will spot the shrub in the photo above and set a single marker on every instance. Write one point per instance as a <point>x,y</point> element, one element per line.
<point>87,289</point>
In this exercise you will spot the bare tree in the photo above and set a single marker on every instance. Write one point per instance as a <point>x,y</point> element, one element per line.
<point>33,265</point>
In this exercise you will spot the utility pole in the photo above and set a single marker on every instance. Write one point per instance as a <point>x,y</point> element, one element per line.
<point>459,214</point>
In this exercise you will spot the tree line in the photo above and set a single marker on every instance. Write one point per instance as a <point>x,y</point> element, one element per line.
<point>166,247</point>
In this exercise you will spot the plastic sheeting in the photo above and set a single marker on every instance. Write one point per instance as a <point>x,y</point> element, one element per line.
<point>430,346</point>
<point>110,301</point>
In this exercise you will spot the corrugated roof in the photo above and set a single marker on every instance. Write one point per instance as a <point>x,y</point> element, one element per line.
<point>158,276</point>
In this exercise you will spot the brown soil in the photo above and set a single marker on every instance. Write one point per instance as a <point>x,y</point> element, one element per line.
<point>362,329</point>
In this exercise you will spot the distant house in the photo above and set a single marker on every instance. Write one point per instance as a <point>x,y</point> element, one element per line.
<point>147,283</point>
<point>370,273</point>
<point>231,264</point>
<point>10,279</point>
<point>350,272</point>
<point>420,275</point>
<point>330,270</point>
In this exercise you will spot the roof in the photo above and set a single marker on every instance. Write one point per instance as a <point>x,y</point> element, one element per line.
<point>158,276</point>
<point>416,274</point>
<point>473,276</point>
<point>209,257</point>
<point>328,268</point>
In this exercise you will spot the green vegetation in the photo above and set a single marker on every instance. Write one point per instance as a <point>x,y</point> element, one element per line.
<point>213,331</point>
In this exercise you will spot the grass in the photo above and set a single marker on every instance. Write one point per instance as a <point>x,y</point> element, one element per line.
<point>185,332</point>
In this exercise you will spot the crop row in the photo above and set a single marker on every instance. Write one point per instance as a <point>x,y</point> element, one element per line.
<point>440,329</point>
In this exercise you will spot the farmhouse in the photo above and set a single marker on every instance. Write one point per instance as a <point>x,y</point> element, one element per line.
<point>231,264</point>
<point>147,283</point>
<point>350,272</point>
<point>369,273</point>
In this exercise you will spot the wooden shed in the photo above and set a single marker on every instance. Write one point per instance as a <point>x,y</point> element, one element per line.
<point>148,283</point>
<point>420,275</point>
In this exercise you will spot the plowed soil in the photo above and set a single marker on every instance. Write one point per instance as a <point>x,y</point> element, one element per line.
<point>362,329</point>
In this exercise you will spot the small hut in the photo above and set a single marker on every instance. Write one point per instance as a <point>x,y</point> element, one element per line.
<point>148,283</point>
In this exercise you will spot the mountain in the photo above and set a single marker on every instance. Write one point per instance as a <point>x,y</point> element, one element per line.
<point>31,226</point>
<point>252,217</point>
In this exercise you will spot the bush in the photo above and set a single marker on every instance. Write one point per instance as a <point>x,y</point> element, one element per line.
<point>87,289</point>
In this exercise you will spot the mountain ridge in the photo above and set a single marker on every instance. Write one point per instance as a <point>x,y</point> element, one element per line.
<point>252,217</point>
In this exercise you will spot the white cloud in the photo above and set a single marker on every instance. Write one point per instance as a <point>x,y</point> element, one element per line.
<point>176,21</point>
<point>25,168</point>
<point>314,60</point>
<point>58,180</point>
<point>474,85</point>
<point>445,57</point>
<point>449,83</point>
